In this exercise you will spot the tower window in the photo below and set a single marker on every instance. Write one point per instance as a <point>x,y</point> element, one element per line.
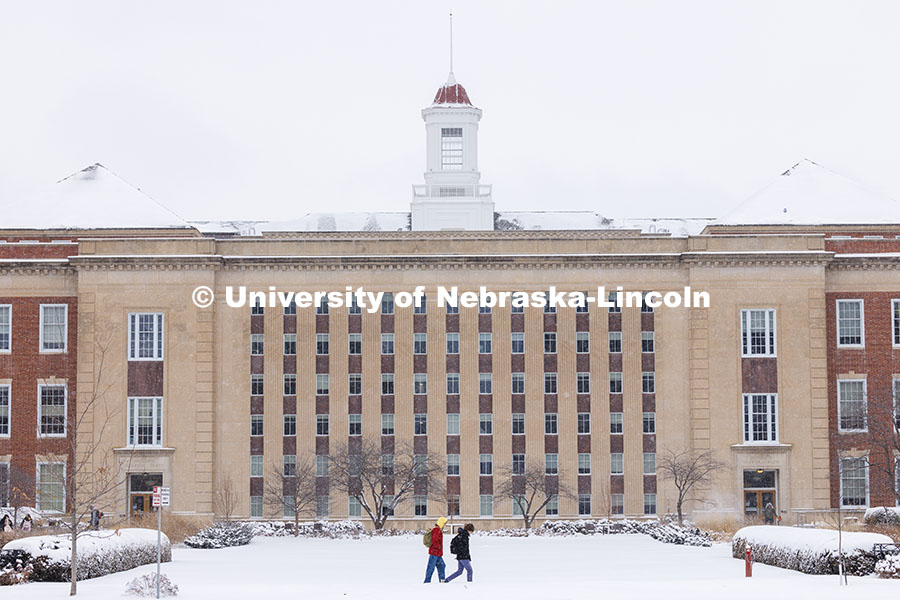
<point>451,148</point>
<point>451,192</point>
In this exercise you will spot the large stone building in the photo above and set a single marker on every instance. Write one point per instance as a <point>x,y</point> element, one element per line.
<point>782,375</point>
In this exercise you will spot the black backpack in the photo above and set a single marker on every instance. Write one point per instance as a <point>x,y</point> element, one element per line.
<point>454,545</point>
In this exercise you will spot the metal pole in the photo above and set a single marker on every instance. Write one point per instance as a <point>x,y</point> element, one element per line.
<point>158,545</point>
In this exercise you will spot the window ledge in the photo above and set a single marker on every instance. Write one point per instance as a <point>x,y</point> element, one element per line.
<point>143,449</point>
<point>773,447</point>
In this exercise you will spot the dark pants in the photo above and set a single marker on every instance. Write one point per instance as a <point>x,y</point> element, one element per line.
<point>462,564</point>
<point>435,561</point>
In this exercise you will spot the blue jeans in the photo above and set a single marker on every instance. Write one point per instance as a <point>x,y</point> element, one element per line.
<point>462,564</point>
<point>435,561</point>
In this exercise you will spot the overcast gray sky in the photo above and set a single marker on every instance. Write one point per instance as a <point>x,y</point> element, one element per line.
<point>272,109</point>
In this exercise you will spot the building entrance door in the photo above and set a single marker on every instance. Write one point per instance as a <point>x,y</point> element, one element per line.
<point>759,492</point>
<point>140,493</point>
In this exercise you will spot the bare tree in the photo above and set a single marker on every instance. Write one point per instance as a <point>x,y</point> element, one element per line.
<point>96,473</point>
<point>14,493</point>
<point>226,499</point>
<point>687,469</point>
<point>382,482</point>
<point>291,490</point>
<point>884,435</point>
<point>530,488</point>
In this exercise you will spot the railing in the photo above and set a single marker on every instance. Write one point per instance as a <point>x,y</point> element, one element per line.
<point>448,190</point>
<point>882,550</point>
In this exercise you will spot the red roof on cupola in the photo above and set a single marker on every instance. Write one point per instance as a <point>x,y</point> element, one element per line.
<point>452,93</point>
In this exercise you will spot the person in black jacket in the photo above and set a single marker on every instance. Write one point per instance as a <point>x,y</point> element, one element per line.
<point>460,547</point>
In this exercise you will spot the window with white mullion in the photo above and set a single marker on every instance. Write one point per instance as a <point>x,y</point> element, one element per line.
<point>4,411</point>
<point>51,487</point>
<point>145,416</point>
<point>145,336</point>
<point>850,323</point>
<point>451,148</point>
<point>854,482</point>
<point>852,405</point>
<point>758,332</point>
<point>53,327</point>
<point>5,327</point>
<point>897,403</point>
<point>51,410</point>
<point>895,312</point>
<point>760,418</point>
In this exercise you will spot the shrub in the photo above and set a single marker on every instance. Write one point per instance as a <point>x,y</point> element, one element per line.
<point>812,551</point>
<point>221,535</point>
<point>145,586</point>
<point>669,533</point>
<point>888,567</point>
<point>883,515</point>
<point>47,558</point>
<point>317,529</point>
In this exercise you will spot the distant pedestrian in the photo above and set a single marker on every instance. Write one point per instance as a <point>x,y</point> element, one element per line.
<point>436,551</point>
<point>27,523</point>
<point>460,547</point>
<point>6,524</point>
<point>95,518</point>
<point>769,514</point>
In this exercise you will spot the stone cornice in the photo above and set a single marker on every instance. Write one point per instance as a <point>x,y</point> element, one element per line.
<point>487,236</point>
<point>865,263</point>
<point>173,262</point>
<point>25,266</point>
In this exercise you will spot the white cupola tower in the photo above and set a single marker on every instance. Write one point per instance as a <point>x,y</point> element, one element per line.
<point>452,197</point>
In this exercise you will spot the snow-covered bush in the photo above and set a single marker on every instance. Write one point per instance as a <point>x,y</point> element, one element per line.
<point>221,535</point>
<point>145,586</point>
<point>48,557</point>
<point>669,533</point>
<point>888,567</point>
<point>883,515</point>
<point>812,551</point>
<point>317,529</point>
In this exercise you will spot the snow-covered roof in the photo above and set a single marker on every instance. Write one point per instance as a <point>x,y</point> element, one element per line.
<point>92,198</point>
<point>809,194</point>
<point>506,221</point>
<point>451,93</point>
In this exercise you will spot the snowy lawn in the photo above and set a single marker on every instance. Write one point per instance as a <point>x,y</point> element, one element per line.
<point>521,568</point>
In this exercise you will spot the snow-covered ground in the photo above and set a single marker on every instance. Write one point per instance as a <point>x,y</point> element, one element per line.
<point>505,568</point>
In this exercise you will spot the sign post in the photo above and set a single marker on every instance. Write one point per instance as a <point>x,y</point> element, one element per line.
<point>160,499</point>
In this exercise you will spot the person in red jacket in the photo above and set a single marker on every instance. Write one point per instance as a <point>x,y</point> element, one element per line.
<point>436,552</point>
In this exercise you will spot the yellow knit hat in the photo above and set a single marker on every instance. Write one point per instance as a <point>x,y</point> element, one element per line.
<point>441,522</point>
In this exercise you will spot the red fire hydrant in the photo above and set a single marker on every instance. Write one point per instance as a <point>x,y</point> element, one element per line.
<point>748,562</point>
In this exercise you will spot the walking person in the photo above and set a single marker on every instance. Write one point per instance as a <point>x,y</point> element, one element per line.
<point>460,547</point>
<point>6,524</point>
<point>769,514</point>
<point>436,551</point>
<point>27,523</point>
<point>95,518</point>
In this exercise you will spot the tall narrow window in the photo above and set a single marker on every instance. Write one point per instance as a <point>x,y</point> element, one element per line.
<point>354,384</point>
<point>387,384</point>
<point>452,423</point>
<point>550,382</point>
<point>518,383</point>
<point>616,463</point>
<point>5,327</point>
<point>145,336</point>
<point>54,327</point>
<point>760,418</point>
<point>420,424</point>
<point>584,463</point>
<point>518,342</point>
<point>321,343</point>
<point>354,343</point>
<point>257,344</point>
<point>420,383</point>
<point>387,304</point>
<point>453,383</point>
<point>584,423</point>
<point>51,489</point>
<point>4,413</point>
<point>355,424</point>
<point>486,424</point>
<point>895,312</point>
<point>647,342</point>
<point>583,383</point>
<point>387,343</point>
<point>551,424</point>
<point>485,383</point>
<point>582,342</point>
<point>649,504</point>
<point>387,424</point>
<point>758,332</point>
<point>852,405</point>
<point>486,504</point>
<point>484,343</point>
<point>615,422</point>
<point>551,464</point>
<point>615,382</point>
<point>855,482</point>
<point>452,343</point>
<point>420,343</point>
<point>145,419</point>
<point>615,342</point>
<point>518,423</point>
<point>486,464</point>
<point>290,385</point>
<point>290,344</point>
<point>52,410</point>
<point>850,326</point>
<point>584,504</point>
<point>549,342</point>
<point>451,148</point>
<point>322,384</point>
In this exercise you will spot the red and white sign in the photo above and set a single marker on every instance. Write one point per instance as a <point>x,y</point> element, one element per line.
<point>161,496</point>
